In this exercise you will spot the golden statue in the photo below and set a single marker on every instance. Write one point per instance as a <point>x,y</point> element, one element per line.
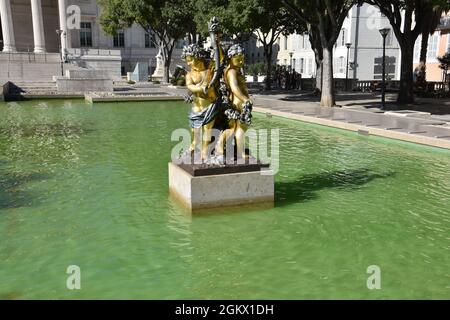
<point>218,89</point>
<point>203,113</point>
<point>238,97</point>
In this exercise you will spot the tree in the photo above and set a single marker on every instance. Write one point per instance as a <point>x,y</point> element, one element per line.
<point>268,19</point>
<point>169,20</point>
<point>324,19</point>
<point>407,19</point>
<point>445,65</point>
<point>233,22</point>
<point>313,35</point>
<point>433,13</point>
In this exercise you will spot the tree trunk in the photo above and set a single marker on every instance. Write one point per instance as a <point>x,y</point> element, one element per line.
<point>327,99</point>
<point>166,71</point>
<point>268,56</point>
<point>424,48</point>
<point>167,57</point>
<point>406,94</point>
<point>318,75</point>
<point>422,74</point>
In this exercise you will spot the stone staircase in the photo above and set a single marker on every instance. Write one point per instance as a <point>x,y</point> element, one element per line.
<point>29,89</point>
<point>32,67</point>
<point>29,67</point>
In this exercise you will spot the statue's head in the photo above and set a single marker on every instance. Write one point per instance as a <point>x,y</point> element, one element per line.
<point>195,56</point>
<point>236,55</point>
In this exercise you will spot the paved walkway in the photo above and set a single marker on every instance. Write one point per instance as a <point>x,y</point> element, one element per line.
<point>360,112</point>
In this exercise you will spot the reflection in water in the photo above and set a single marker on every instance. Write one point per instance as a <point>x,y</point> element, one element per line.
<point>43,136</point>
<point>306,187</point>
<point>12,193</point>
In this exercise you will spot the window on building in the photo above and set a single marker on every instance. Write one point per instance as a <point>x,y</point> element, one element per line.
<point>149,40</point>
<point>307,43</point>
<point>285,43</point>
<point>343,36</point>
<point>433,43</point>
<point>119,39</point>
<point>448,42</point>
<point>310,66</point>
<point>85,34</point>
<point>417,46</point>
<point>432,50</point>
<point>341,65</point>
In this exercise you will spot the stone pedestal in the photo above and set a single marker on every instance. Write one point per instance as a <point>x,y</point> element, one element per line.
<point>215,188</point>
<point>158,75</point>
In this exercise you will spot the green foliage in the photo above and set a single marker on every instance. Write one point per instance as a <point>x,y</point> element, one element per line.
<point>168,18</point>
<point>245,16</point>
<point>445,61</point>
<point>259,68</point>
<point>181,82</point>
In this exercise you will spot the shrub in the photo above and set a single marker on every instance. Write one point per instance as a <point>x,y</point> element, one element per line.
<point>181,82</point>
<point>256,68</point>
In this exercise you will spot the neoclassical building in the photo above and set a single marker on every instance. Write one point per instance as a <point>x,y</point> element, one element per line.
<point>40,29</point>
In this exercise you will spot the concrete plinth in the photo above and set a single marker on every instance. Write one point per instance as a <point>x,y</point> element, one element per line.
<point>222,190</point>
<point>84,85</point>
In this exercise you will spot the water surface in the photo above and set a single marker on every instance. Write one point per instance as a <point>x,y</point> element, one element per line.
<point>87,185</point>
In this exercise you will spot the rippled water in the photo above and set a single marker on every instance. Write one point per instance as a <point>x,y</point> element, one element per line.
<point>87,185</point>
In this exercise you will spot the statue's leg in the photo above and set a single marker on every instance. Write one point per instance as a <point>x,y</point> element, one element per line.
<point>224,137</point>
<point>240,140</point>
<point>206,139</point>
<point>196,136</point>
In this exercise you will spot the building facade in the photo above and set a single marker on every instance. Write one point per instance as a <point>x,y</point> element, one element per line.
<point>360,31</point>
<point>438,45</point>
<point>32,26</point>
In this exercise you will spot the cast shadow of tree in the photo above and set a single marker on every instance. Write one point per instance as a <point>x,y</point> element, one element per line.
<point>12,194</point>
<point>305,187</point>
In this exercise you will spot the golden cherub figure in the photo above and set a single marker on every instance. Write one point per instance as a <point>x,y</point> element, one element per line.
<point>204,111</point>
<point>240,114</point>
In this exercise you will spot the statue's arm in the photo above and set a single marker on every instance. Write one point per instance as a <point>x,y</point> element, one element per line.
<point>234,85</point>
<point>194,88</point>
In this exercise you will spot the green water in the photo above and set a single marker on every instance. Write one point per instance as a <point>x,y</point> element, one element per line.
<point>87,185</point>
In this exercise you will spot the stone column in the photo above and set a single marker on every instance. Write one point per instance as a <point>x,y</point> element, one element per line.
<point>38,26</point>
<point>62,6</point>
<point>9,43</point>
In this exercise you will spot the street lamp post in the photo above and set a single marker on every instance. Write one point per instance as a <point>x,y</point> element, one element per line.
<point>60,32</point>
<point>384,33</point>
<point>348,45</point>
<point>64,51</point>
<point>290,55</point>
